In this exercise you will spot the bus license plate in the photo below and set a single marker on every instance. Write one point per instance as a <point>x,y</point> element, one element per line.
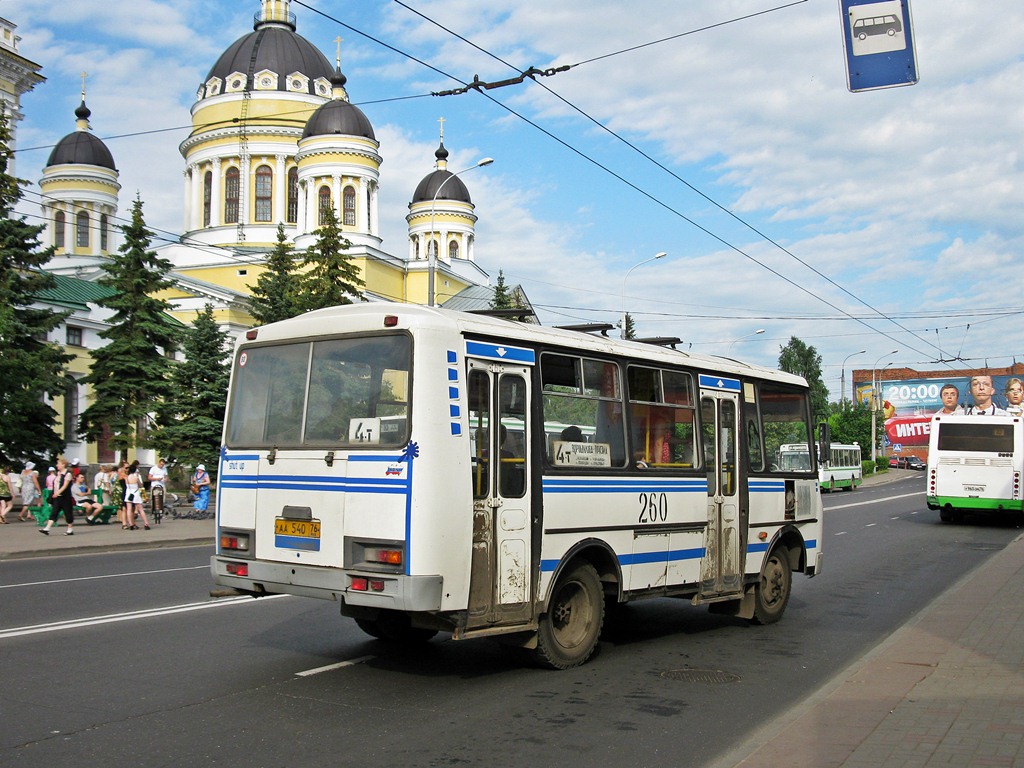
<point>297,534</point>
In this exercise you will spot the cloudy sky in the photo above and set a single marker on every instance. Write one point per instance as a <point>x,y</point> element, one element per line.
<point>719,131</point>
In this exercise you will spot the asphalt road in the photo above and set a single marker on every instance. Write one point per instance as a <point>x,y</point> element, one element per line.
<point>122,659</point>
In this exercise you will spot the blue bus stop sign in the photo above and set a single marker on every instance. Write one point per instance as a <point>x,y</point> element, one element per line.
<point>879,44</point>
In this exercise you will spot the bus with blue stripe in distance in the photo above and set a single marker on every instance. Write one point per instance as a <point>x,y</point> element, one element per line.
<point>437,471</point>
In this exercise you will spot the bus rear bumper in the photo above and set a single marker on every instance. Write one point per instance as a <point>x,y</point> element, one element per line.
<point>373,590</point>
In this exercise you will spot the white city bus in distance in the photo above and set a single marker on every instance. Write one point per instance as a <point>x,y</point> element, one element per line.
<point>975,464</point>
<point>401,461</point>
<point>841,468</point>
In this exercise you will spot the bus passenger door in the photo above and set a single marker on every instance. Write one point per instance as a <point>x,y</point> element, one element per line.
<point>500,579</point>
<point>722,566</point>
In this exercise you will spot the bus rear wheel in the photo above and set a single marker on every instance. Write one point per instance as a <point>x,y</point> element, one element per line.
<point>771,594</point>
<point>568,632</point>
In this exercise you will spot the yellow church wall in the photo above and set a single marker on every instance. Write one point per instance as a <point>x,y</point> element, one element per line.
<point>218,113</point>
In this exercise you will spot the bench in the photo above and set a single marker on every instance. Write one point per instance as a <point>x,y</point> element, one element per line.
<point>41,511</point>
<point>103,516</point>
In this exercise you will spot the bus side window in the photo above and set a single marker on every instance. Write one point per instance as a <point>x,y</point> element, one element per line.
<point>754,453</point>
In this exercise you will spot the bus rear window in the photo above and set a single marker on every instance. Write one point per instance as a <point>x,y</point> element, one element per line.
<point>982,437</point>
<point>332,393</point>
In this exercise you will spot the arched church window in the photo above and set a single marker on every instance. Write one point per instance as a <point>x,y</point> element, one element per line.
<point>264,193</point>
<point>207,196</point>
<point>58,229</point>
<point>323,204</point>
<point>82,229</point>
<point>104,227</point>
<point>348,199</point>
<point>293,195</point>
<point>231,191</point>
<point>453,249</point>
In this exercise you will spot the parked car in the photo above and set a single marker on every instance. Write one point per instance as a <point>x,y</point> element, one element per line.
<point>897,462</point>
<point>914,462</point>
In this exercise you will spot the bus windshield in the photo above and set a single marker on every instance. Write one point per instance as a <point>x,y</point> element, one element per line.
<point>347,392</point>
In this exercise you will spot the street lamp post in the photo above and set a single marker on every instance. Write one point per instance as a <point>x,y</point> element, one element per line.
<point>842,377</point>
<point>874,405</point>
<point>622,295</point>
<point>758,332</point>
<point>431,245</point>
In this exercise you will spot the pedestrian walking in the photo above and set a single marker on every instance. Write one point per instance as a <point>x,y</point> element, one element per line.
<point>201,490</point>
<point>30,490</point>
<point>61,502</point>
<point>133,498</point>
<point>6,494</point>
<point>120,491</point>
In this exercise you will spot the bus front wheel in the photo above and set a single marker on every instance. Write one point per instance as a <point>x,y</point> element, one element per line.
<point>568,632</point>
<point>771,594</point>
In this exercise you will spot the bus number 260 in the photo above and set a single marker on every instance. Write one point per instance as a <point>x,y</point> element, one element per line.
<point>653,508</point>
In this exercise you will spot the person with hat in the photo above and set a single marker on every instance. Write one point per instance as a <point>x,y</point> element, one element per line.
<point>201,490</point>
<point>30,490</point>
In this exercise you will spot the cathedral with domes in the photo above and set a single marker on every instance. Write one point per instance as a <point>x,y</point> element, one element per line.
<point>274,140</point>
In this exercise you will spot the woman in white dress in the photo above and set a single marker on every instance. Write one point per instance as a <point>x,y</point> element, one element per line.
<point>133,497</point>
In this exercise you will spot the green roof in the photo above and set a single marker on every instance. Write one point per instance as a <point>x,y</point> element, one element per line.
<point>73,292</point>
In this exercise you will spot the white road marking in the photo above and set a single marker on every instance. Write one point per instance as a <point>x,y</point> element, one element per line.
<point>339,665</point>
<point>60,626</point>
<point>875,501</point>
<point>105,576</point>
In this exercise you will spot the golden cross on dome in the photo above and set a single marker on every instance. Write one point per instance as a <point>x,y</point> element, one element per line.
<point>337,59</point>
<point>84,75</point>
<point>442,122</point>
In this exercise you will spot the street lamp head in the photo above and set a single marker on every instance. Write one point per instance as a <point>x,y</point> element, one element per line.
<point>485,161</point>
<point>660,255</point>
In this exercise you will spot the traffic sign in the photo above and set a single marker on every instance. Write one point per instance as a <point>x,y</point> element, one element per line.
<point>897,448</point>
<point>879,44</point>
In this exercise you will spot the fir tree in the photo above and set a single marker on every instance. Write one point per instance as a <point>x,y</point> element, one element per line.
<point>30,367</point>
<point>629,331</point>
<point>331,279</point>
<point>130,375</point>
<point>502,294</point>
<point>274,295</point>
<point>191,419</point>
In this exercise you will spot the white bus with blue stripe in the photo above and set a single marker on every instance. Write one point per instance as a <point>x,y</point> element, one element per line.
<point>435,471</point>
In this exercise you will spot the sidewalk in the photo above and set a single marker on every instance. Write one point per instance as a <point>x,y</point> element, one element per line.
<point>24,540</point>
<point>946,689</point>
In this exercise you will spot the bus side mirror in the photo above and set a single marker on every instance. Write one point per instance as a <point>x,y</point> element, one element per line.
<point>824,441</point>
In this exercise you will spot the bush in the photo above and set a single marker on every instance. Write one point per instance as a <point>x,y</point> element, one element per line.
<point>867,467</point>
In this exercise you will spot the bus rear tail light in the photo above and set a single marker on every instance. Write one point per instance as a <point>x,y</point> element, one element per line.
<point>363,584</point>
<point>237,569</point>
<point>385,556</point>
<point>232,541</point>
<point>1016,485</point>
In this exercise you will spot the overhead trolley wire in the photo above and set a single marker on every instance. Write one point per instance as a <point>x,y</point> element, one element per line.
<point>660,165</point>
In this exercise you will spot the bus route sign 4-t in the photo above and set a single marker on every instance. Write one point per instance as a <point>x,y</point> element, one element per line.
<point>879,43</point>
